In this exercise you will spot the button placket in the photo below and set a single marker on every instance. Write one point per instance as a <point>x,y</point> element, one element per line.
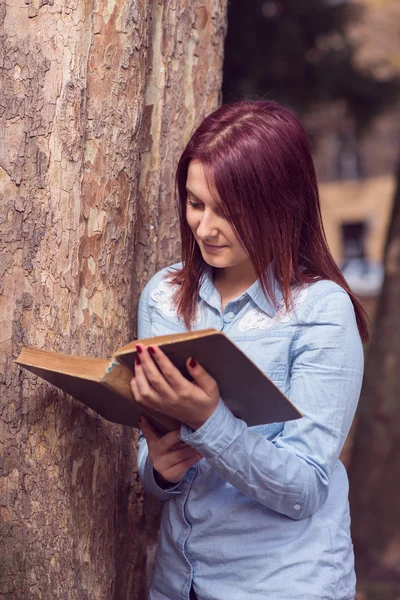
<point>230,315</point>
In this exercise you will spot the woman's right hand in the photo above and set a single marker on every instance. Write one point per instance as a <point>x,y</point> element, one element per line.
<point>170,457</point>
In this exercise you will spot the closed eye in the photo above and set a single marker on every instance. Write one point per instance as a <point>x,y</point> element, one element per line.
<point>200,205</point>
<point>195,204</point>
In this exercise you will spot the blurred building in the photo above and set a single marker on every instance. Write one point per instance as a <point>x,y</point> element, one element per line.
<point>357,176</point>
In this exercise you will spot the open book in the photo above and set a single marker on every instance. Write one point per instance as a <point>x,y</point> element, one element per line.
<point>104,385</point>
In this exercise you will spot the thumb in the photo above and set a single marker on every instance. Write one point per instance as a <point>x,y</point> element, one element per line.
<point>148,430</point>
<point>202,378</point>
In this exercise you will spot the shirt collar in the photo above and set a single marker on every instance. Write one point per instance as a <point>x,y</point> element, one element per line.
<point>208,292</point>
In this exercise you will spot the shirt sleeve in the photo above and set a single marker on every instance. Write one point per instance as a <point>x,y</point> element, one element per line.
<point>291,474</point>
<point>145,467</point>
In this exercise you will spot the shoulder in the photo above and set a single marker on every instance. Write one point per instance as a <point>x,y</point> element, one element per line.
<point>160,279</point>
<point>157,295</point>
<point>327,328</point>
<point>325,293</point>
<point>327,306</point>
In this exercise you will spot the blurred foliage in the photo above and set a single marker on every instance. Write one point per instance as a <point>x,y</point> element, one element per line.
<point>297,52</point>
<point>378,590</point>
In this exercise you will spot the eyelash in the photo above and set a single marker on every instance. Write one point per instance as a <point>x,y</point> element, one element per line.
<point>194,204</point>
<point>199,205</point>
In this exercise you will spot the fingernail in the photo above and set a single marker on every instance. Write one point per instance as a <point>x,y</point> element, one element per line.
<point>193,363</point>
<point>151,350</point>
<point>137,359</point>
<point>139,349</point>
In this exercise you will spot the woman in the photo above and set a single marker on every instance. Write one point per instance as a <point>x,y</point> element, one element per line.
<point>252,512</point>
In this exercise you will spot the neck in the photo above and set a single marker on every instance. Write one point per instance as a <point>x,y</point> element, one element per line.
<point>239,277</point>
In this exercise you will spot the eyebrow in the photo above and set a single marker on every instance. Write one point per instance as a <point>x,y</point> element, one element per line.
<point>213,203</point>
<point>189,191</point>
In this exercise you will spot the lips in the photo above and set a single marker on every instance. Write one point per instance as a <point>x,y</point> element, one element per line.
<point>212,249</point>
<point>212,245</point>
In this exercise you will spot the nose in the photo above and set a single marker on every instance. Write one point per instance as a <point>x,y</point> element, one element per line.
<point>207,228</point>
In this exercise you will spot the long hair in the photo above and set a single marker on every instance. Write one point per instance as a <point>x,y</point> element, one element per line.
<point>256,155</point>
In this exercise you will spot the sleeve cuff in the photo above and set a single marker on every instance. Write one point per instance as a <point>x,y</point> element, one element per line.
<point>216,434</point>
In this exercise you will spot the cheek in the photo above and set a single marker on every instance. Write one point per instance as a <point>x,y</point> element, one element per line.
<point>233,241</point>
<point>237,247</point>
<point>191,221</point>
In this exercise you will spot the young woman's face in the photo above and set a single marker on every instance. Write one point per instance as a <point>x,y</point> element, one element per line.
<point>217,241</point>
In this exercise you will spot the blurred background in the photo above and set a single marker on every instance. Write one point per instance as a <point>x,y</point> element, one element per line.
<point>97,100</point>
<point>336,63</point>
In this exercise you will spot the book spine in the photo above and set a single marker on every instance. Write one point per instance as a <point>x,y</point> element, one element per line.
<point>117,377</point>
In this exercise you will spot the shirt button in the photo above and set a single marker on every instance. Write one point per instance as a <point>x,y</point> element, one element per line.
<point>230,315</point>
<point>297,507</point>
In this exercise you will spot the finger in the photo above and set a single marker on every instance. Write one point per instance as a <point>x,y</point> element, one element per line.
<point>173,376</point>
<point>141,399</point>
<point>169,459</point>
<point>178,445</point>
<point>135,389</point>
<point>168,441</point>
<point>202,378</point>
<point>154,377</point>
<point>178,471</point>
<point>146,393</point>
<point>148,430</point>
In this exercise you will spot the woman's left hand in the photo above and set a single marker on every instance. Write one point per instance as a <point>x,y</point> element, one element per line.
<point>169,392</point>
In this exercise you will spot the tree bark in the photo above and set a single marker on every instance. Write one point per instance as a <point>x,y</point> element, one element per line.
<point>375,465</point>
<point>97,101</point>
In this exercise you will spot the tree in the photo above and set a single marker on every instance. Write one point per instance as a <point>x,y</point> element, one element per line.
<point>375,465</point>
<point>299,53</point>
<point>97,102</point>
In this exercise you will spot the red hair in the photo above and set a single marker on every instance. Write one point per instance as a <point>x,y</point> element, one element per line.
<point>256,155</point>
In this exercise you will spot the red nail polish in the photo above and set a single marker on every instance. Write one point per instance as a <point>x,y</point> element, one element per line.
<point>151,350</point>
<point>139,349</point>
<point>193,363</point>
<point>137,359</point>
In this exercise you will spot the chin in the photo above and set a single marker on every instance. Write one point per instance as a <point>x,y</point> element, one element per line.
<point>215,261</point>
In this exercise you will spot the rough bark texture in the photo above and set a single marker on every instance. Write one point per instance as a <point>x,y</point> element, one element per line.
<point>375,465</point>
<point>97,101</point>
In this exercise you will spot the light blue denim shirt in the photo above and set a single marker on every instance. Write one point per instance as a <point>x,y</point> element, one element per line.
<point>265,513</point>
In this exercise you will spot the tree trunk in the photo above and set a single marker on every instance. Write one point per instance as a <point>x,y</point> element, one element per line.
<point>375,465</point>
<point>97,102</point>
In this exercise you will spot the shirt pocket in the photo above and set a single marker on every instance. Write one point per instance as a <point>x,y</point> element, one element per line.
<point>275,371</point>
<point>269,353</point>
